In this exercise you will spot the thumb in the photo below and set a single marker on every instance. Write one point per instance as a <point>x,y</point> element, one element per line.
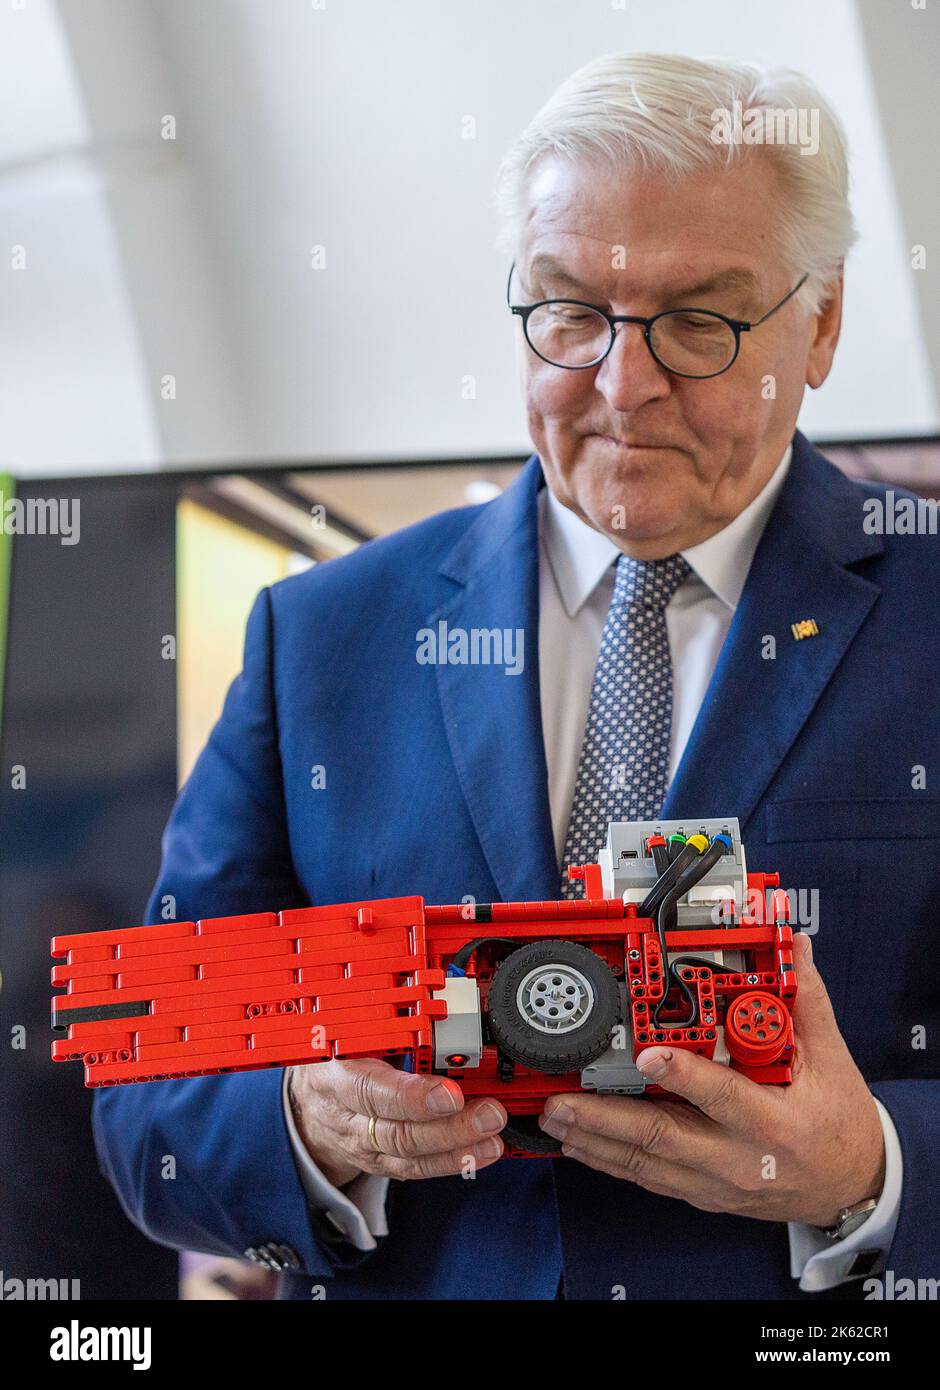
<point>724,1095</point>
<point>813,1018</point>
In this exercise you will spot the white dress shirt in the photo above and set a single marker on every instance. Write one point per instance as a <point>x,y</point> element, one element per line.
<point>576,581</point>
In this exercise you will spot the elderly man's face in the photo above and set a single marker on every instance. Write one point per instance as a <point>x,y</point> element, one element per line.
<point>677,458</point>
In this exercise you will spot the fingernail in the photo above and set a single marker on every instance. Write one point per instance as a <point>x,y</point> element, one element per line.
<point>489,1116</point>
<point>553,1126</point>
<point>561,1113</point>
<point>488,1148</point>
<point>440,1100</point>
<point>653,1063</point>
<point>808,948</point>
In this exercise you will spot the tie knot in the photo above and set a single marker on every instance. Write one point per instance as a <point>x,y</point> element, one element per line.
<point>650,582</point>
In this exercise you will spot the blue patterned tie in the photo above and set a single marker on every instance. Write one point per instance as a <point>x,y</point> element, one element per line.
<point>623,772</point>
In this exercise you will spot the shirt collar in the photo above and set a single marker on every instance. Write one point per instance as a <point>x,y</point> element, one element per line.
<point>579,556</point>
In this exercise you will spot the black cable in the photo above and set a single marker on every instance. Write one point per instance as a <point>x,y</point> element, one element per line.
<point>701,961</point>
<point>686,985</point>
<point>665,910</point>
<point>667,907</point>
<point>666,917</point>
<point>465,952</point>
<point>674,846</point>
<point>660,863</point>
<point>660,860</point>
<point>689,854</point>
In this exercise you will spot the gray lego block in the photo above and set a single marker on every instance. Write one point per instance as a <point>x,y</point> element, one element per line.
<point>461,1032</point>
<point>629,872</point>
<point>614,1073</point>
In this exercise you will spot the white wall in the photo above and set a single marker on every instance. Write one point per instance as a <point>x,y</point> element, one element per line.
<point>72,387</point>
<point>300,126</point>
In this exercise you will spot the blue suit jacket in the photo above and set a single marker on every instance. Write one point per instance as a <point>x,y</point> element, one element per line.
<point>436,784</point>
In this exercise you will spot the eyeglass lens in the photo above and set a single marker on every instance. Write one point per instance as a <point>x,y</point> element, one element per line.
<point>573,335</point>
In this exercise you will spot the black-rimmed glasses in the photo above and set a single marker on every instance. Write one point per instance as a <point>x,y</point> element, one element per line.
<point>574,335</point>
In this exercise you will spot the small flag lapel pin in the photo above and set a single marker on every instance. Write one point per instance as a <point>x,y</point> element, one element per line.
<point>807,627</point>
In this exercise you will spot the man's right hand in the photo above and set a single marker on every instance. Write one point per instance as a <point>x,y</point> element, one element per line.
<point>423,1128</point>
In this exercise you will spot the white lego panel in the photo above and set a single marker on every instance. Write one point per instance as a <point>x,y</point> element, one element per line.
<point>461,1032</point>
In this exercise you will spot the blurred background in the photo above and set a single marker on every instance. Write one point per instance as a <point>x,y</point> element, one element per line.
<point>251,316</point>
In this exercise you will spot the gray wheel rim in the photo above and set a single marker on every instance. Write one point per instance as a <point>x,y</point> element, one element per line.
<point>555,998</point>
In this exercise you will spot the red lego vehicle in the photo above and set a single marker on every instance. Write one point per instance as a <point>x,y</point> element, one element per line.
<point>672,942</point>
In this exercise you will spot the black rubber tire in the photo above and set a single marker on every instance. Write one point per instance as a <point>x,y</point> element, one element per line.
<point>552,1053</point>
<point>522,1131</point>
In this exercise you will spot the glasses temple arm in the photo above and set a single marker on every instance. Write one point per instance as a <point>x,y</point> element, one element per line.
<point>798,286</point>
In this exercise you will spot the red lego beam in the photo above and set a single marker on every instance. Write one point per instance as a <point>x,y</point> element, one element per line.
<point>236,993</point>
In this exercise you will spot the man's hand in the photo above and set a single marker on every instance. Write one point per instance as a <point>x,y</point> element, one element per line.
<point>779,1153</point>
<point>422,1127</point>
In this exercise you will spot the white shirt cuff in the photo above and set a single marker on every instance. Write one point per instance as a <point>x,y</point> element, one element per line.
<point>822,1264</point>
<point>358,1213</point>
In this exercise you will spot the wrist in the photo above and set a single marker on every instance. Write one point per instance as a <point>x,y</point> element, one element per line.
<point>866,1188</point>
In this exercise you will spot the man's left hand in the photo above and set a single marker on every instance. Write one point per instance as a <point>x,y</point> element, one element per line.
<point>778,1153</point>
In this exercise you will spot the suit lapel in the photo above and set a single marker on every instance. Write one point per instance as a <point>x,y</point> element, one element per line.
<point>493,719</point>
<point>756,705</point>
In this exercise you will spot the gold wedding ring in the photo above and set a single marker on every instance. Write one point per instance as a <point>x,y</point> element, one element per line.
<point>374,1141</point>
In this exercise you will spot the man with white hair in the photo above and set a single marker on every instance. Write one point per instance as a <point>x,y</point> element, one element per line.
<point>709,628</point>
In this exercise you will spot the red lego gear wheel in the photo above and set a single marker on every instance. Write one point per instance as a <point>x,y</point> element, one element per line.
<point>756,1029</point>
